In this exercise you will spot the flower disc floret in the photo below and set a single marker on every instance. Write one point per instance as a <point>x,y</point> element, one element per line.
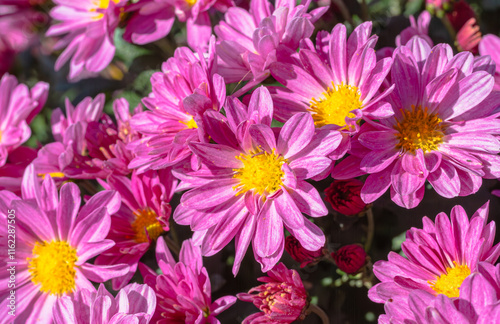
<point>191,124</point>
<point>53,267</point>
<point>146,225</point>
<point>418,129</point>
<point>450,282</point>
<point>335,105</point>
<point>261,172</point>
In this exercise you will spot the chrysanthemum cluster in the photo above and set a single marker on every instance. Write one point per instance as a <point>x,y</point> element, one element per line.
<point>235,145</point>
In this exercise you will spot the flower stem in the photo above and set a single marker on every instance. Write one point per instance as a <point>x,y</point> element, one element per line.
<point>370,230</point>
<point>318,311</point>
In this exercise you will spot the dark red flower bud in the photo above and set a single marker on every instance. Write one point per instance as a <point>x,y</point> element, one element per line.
<point>344,196</point>
<point>299,254</point>
<point>350,258</point>
<point>460,14</point>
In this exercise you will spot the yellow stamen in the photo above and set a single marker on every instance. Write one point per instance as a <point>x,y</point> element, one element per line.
<point>335,105</point>
<point>191,124</point>
<point>146,221</point>
<point>450,282</point>
<point>53,267</point>
<point>101,4</point>
<point>191,2</point>
<point>261,172</point>
<point>52,174</point>
<point>419,130</point>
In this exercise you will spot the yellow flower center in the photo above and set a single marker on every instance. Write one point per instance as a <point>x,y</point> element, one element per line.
<point>52,174</point>
<point>101,4</point>
<point>335,105</point>
<point>450,282</point>
<point>191,124</point>
<point>261,172</point>
<point>191,2</point>
<point>419,130</point>
<point>145,221</point>
<point>53,267</point>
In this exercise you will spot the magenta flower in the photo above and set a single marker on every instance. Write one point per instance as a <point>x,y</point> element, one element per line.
<point>439,259</point>
<point>253,182</point>
<point>187,87</point>
<point>250,41</point>
<point>477,303</point>
<point>142,218</point>
<point>338,86</point>
<point>419,27</point>
<point>153,19</point>
<point>183,289</point>
<point>88,143</point>
<point>490,45</point>
<point>441,104</point>
<point>52,256</point>
<point>18,107</point>
<point>282,298</point>
<point>134,304</point>
<point>88,27</point>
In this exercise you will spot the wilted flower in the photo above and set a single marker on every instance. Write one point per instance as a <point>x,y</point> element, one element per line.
<point>344,196</point>
<point>281,299</point>
<point>439,259</point>
<point>350,258</point>
<point>52,256</point>
<point>183,289</point>
<point>299,254</point>
<point>134,304</point>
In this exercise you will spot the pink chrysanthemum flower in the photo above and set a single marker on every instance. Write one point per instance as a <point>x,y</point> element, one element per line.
<point>18,107</point>
<point>439,258</point>
<point>153,19</point>
<point>282,298</point>
<point>89,144</point>
<point>253,182</point>
<point>142,218</point>
<point>186,88</point>
<point>249,41</point>
<point>478,302</point>
<point>490,45</point>
<point>183,289</point>
<point>441,103</point>
<point>134,304</point>
<point>337,86</point>
<point>51,256</point>
<point>88,26</point>
<point>468,37</point>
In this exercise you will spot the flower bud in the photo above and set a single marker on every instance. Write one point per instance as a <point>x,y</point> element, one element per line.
<point>350,258</point>
<point>344,196</point>
<point>299,254</point>
<point>282,298</point>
